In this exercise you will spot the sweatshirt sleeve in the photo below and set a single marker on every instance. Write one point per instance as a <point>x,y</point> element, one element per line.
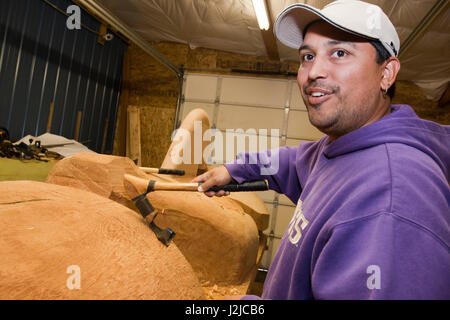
<point>277,166</point>
<point>381,256</point>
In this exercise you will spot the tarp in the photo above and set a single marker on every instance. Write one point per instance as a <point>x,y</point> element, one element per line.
<point>65,147</point>
<point>231,25</point>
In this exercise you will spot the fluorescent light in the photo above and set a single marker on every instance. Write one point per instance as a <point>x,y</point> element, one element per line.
<point>261,14</point>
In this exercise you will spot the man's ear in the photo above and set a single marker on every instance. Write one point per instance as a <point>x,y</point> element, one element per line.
<point>391,67</point>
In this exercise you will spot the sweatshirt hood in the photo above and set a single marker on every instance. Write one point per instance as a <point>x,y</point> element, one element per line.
<point>402,125</point>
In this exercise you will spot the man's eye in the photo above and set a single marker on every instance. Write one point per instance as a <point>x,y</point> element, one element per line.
<point>339,53</point>
<point>307,57</point>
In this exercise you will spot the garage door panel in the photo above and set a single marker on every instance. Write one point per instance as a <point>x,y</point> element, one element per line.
<point>270,210</point>
<point>201,87</point>
<point>296,98</point>
<point>252,104</point>
<point>293,142</point>
<point>252,91</point>
<point>282,199</point>
<point>234,117</point>
<point>268,256</point>
<point>299,127</point>
<point>189,106</point>
<point>266,196</point>
<point>284,216</point>
<point>234,142</point>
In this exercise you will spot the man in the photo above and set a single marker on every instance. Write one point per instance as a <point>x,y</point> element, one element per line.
<point>372,215</point>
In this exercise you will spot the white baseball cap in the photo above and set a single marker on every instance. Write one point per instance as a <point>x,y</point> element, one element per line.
<point>353,16</point>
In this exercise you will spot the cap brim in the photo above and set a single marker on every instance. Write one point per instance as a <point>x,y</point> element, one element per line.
<point>291,23</point>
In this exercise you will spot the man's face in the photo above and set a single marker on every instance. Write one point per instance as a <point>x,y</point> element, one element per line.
<point>339,80</point>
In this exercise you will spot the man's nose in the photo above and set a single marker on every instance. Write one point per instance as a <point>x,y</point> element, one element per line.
<point>318,69</point>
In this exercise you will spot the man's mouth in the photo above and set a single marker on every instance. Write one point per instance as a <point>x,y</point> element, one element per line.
<point>318,95</point>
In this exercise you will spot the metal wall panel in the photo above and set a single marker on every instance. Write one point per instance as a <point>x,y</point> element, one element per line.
<point>42,61</point>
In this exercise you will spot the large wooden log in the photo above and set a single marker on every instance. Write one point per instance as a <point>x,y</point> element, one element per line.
<point>63,243</point>
<point>221,237</point>
<point>215,235</point>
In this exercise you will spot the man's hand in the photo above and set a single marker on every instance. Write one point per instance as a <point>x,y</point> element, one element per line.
<point>218,176</point>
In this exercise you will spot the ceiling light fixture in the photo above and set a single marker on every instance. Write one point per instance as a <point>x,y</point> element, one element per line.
<point>261,14</point>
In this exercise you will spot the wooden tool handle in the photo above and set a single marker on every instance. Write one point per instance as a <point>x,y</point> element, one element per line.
<point>170,186</point>
<point>135,185</point>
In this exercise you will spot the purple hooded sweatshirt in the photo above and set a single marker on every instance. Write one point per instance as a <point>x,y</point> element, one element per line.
<point>372,216</point>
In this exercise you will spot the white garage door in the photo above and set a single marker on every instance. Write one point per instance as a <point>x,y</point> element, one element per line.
<point>256,106</point>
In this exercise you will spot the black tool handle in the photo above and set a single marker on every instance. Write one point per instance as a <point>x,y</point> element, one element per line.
<point>258,185</point>
<point>144,206</point>
<point>171,171</point>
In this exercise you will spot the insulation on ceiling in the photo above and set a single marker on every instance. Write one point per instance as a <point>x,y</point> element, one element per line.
<point>231,25</point>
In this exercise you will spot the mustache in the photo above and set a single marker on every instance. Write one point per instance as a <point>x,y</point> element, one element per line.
<point>321,85</point>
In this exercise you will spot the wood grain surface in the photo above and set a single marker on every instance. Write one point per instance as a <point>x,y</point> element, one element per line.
<point>46,228</point>
<point>217,237</point>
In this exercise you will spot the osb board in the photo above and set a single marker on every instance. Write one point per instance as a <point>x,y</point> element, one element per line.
<point>156,130</point>
<point>154,90</point>
<point>152,83</point>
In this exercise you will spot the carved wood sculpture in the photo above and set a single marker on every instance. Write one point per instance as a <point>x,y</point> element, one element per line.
<point>218,236</point>
<point>250,202</point>
<point>215,235</point>
<point>63,243</point>
<point>189,138</point>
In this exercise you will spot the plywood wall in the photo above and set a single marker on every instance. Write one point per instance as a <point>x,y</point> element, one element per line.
<point>154,89</point>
